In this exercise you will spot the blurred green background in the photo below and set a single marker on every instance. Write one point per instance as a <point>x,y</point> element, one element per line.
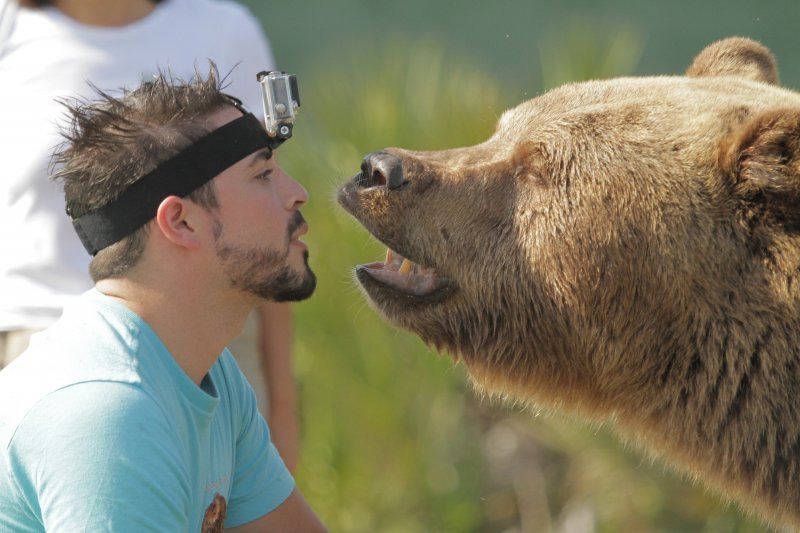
<point>394,437</point>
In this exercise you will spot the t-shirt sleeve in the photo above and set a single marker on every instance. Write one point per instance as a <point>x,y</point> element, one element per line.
<point>261,481</point>
<point>108,462</point>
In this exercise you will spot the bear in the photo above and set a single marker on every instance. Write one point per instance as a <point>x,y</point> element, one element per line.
<point>627,250</point>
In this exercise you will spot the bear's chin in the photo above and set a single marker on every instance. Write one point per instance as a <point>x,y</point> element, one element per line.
<point>391,291</point>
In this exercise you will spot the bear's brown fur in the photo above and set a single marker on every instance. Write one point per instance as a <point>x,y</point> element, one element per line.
<point>628,249</point>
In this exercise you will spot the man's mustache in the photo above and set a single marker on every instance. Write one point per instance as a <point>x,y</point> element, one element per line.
<point>295,222</point>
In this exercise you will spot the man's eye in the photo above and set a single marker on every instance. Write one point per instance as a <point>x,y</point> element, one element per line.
<point>265,175</point>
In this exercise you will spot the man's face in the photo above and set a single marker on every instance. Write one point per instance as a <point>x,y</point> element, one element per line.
<point>258,225</point>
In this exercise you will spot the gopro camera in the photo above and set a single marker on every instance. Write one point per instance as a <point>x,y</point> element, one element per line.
<point>281,102</point>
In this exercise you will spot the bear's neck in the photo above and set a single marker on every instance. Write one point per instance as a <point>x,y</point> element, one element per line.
<point>724,407</point>
<point>718,399</point>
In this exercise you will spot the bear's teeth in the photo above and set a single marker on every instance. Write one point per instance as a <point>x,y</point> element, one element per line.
<point>406,266</point>
<point>397,263</point>
<point>393,260</point>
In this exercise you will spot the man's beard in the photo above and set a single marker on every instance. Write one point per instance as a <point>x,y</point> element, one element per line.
<point>263,271</point>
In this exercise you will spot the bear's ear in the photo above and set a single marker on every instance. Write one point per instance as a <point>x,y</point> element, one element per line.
<point>736,56</point>
<point>762,158</point>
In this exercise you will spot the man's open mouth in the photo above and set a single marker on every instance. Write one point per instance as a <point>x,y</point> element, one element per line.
<point>402,277</point>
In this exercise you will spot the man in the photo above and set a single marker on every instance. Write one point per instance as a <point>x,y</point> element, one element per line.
<point>49,48</point>
<point>129,414</point>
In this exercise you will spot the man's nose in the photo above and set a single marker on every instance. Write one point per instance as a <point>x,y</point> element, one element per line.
<point>294,194</point>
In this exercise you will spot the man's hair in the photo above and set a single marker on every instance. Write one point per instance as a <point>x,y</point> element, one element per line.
<point>112,142</point>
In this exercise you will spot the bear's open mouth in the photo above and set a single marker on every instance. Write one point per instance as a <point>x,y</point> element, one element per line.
<point>404,277</point>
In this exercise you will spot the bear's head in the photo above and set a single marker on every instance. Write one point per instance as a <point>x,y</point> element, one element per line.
<point>600,219</point>
<point>594,223</point>
<point>629,248</point>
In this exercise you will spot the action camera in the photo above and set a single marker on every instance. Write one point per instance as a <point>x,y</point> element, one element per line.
<point>281,102</point>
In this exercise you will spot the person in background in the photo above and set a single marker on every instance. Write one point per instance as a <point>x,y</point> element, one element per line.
<point>129,414</point>
<point>51,50</point>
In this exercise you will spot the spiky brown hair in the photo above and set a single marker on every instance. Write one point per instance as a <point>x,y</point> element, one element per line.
<point>113,141</point>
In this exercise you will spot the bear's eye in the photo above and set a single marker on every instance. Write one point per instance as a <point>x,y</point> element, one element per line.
<point>531,160</point>
<point>533,179</point>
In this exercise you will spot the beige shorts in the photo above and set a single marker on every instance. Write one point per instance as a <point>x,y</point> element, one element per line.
<point>13,343</point>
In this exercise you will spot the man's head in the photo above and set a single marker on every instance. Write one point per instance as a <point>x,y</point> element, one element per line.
<point>114,143</point>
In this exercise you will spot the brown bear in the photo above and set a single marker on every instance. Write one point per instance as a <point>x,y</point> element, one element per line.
<point>627,249</point>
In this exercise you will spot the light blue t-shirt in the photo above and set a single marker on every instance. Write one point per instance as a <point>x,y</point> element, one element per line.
<point>101,430</point>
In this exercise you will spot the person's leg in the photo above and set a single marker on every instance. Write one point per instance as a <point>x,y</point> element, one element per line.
<point>245,349</point>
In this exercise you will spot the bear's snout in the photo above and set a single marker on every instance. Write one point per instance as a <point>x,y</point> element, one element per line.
<point>381,169</point>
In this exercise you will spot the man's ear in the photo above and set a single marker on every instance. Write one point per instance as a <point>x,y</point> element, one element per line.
<point>762,158</point>
<point>176,221</point>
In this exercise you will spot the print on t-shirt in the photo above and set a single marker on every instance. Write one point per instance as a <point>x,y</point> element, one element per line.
<point>215,515</point>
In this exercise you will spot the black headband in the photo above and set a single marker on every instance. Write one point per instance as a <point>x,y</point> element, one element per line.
<point>178,176</point>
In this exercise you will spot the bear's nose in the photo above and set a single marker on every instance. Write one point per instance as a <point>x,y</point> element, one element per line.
<point>382,169</point>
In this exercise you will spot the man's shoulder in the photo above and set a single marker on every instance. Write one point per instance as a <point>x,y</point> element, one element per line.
<point>111,400</point>
<point>98,402</point>
<point>93,340</point>
<point>101,442</point>
<point>90,409</point>
<point>90,355</point>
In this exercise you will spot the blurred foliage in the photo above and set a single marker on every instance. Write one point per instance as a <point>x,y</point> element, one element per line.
<point>582,49</point>
<point>394,438</point>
